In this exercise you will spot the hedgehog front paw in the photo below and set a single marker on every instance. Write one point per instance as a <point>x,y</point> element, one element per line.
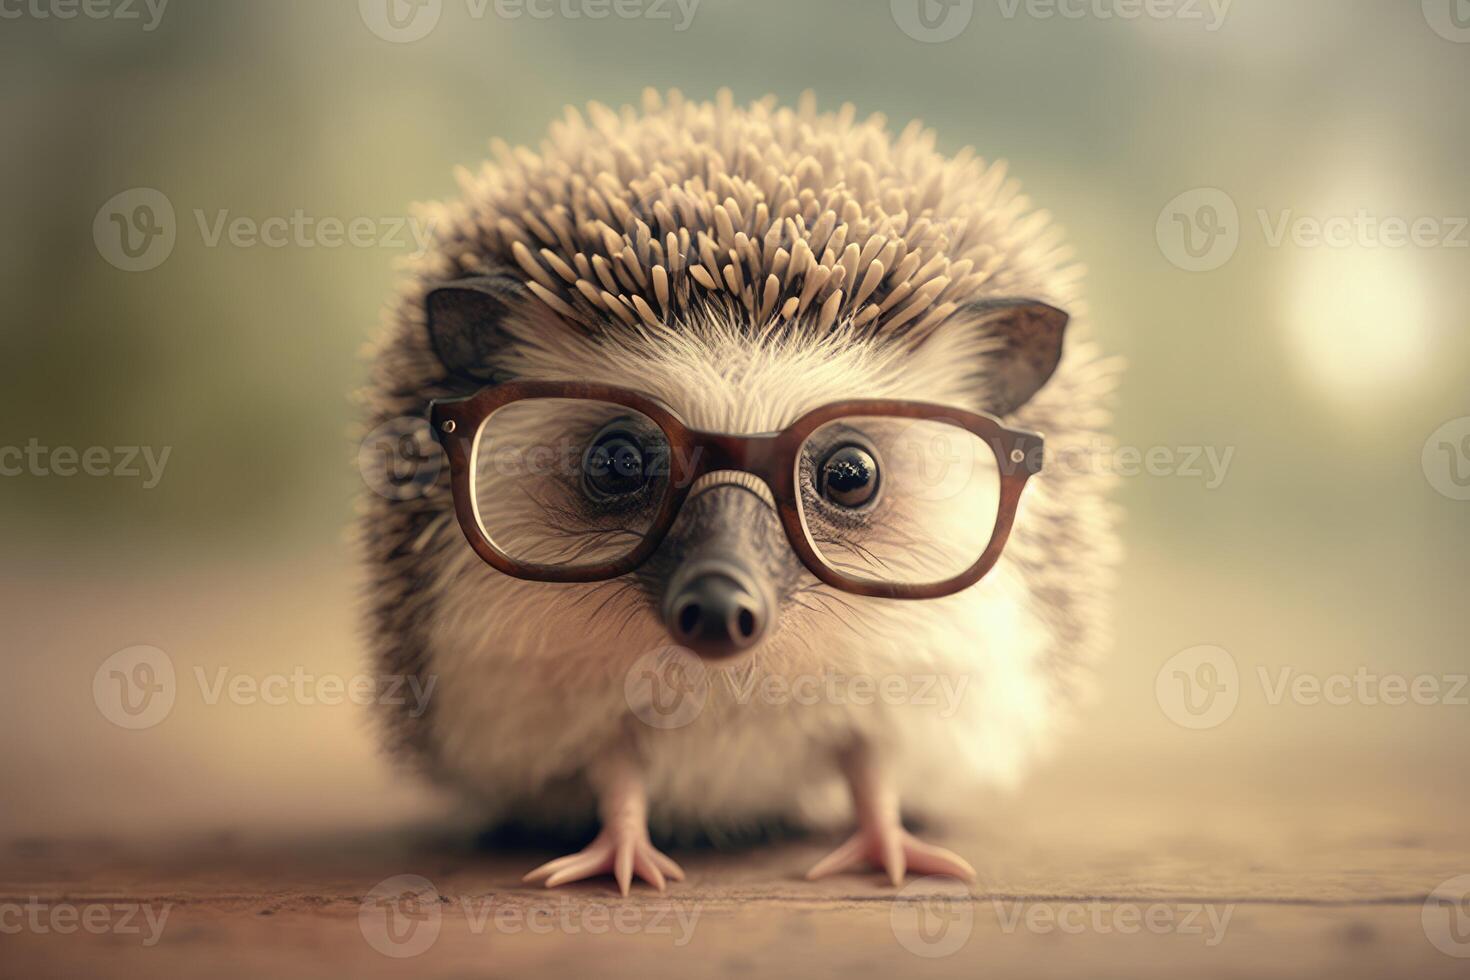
<point>896,851</point>
<point>881,839</point>
<point>621,849</point>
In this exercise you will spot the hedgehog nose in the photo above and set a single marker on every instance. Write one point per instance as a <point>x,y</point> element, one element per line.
<point>716,614</point>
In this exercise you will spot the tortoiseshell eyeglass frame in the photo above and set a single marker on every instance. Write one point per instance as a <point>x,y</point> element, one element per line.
<point>773,457</point>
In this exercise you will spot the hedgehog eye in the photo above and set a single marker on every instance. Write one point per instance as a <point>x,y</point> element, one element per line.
<point>614,465</point>
<point>849,476</point>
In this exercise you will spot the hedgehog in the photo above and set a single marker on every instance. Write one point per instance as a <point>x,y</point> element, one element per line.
<point>701,275</point>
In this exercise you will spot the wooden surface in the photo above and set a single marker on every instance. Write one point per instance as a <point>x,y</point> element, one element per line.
<point>1049,904</point>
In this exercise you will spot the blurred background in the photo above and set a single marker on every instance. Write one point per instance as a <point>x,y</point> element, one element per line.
<point>1189,155</point>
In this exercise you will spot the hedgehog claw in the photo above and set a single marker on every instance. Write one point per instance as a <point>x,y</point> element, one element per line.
<point>880,839</point>
<point>895,851</point>
<point>621,849</point>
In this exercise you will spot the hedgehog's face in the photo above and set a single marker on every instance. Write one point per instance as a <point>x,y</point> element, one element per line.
<point>724,579</point>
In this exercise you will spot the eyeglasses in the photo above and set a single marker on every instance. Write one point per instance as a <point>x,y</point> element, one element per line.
<point>579,482</point>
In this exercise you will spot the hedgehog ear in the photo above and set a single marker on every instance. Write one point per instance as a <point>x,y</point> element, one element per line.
<point>464,319</point>
<point>1028,333</point>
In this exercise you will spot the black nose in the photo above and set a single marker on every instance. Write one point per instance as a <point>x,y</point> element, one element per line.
<point>717,615</point>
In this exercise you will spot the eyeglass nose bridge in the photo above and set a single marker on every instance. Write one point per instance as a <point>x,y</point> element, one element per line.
<point>754,453</point>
